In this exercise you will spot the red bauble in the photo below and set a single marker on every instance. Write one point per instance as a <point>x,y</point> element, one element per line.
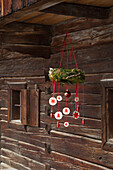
<point>77,109</point>
<point>57,124</point>
<point>83,122</point>
<point>51,114</point>
<point>67,93</point>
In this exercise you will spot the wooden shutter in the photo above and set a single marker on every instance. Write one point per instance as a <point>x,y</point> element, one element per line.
<point>24,106</point>
<point>33,118</point>
<point>30,107</point>
<point>9,105</point>
<point>110,113</point>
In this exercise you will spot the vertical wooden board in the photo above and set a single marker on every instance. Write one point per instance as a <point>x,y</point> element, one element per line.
<point>9,6</point>
<point>17,4</point>
<point>25,2</point>
<point>9,105</point>
<point>34,108</point>
<point>5,7</point>
<point>24,105</point>
<point>2,7</point>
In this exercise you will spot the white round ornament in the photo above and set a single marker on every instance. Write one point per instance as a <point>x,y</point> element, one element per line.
<point>59,98</point>
<point>66,124</point>
<point>52,101</point>
<point>76,99</point>
<point>58,115</point>
<point>66,110</point>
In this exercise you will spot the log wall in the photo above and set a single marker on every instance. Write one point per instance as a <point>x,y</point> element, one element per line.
<point>47,147</point>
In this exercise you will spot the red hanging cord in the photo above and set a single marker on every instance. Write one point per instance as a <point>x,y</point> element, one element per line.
<point>83,122</point>
<point>70,58</point>
<point>67,58</point>
<point>51,114</point>
<point>58,94</point>
<point>63,51</point>
<point>53,88</point>
<point>76,95</point>
<point>68,42</point>
<point>73,52</point>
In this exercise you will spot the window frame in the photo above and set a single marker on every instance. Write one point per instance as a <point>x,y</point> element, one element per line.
<point>11,98</point>
<point>30,105</point>
<point>16,86</point>
<point>107,144</point>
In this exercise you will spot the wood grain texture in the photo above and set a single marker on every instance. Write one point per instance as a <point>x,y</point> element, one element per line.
<point>24,106</point>
<point>76,147</point>
<point>40,5</point>
<point>71,9</point>
<point>101,3</point>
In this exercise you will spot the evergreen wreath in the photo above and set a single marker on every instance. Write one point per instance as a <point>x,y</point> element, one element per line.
<point>70,76</point>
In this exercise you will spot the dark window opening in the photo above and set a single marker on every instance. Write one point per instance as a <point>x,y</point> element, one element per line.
<point>107,114</point>
<point>16,105</point>
<point>109,111</point>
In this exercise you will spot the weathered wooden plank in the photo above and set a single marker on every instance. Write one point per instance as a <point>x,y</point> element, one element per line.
<point>79,130</point>
<point>98,53</point>
<point>72,9</point>
<point>13,164</point>
<point>89,123</point>
<point>30,81</point>
<point>24,27</point>
<point>22,67</point>
<point>75,139</point>
<point>33,50</point>
<point>90,88</point>
<point>85,38</point>
<point>95,155</point>
<point>58,157</point>
<point>3,95</point>
<point>78,24</point>
<point>26,38</point>
<point>3,117</point>
<point>14,126</point>
<point>23,136</point>
<point>19,159</point>
<point>90,98</point>
<point>91,111</point>
<point>3,112</point>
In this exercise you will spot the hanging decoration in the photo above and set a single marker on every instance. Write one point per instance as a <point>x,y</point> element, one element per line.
<point>61,76</point>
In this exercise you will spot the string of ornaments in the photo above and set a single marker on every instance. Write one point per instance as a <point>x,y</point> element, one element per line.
<point>60,76</point>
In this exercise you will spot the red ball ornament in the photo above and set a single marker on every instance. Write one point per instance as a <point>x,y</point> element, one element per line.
<point>67,93</point>
<point>77,109</point>
<point>83,122</point>
<point>57,124</point>
<point>51,114</point>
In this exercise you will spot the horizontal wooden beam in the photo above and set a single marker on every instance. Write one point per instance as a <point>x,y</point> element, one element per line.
<point>40,5</point>
<point>71,9</point>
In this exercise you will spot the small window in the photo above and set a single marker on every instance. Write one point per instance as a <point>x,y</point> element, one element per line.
<point>23,104</point>
<point>16,105</point>
<point>109,110</point>
<point>107,114</point>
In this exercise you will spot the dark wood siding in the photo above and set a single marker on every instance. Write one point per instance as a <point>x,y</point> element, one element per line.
<point>75,147</point>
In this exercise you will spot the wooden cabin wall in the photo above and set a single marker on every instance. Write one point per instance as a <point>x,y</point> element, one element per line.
<point>47,147</point>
